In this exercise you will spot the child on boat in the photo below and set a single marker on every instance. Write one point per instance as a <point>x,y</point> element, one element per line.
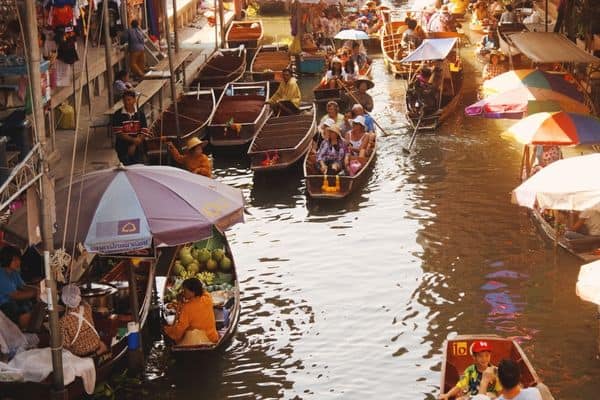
<point>479,377</point>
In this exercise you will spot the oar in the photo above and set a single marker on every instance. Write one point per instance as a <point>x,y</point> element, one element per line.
<point>358,102</point>
<point>406,150</point>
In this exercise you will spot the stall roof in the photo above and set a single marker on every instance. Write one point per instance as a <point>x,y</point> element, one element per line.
<point>431,49</point>
<point>549,47</point>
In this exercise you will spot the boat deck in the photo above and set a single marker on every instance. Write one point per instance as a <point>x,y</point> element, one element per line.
<point>282,132</point>
<point>240,109</point>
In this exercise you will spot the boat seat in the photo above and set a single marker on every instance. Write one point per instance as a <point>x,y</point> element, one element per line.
<point>586,243</point>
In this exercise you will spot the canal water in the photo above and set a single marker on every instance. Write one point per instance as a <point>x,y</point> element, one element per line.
<point>355,298</point>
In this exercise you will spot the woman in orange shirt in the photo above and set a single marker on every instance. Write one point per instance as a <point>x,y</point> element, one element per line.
<point>196,319</point>
<point>194,158</point>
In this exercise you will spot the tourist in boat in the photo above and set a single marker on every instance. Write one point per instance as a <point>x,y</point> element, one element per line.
<point>346,125</point>
<point>544,156</point>
<point>509,375</point>
<point>494,67</point>
<point>357,111</point>
<point>496,9</point>
<point>362,84</point>
<point>360,143</point>
<point>331,156</point>
<point>130,128</point>
<point>134,37</point>
<point>480,13</point>
<point>359,56</point>
<point>351,70</point>
<point>194,158</point>
<point>121,84</point>
<point>470,383</point>
<point>508,16</point>
<point>77,325</point>
<point>489,42</point>
<point>333,113</point>
<point>334,74</point>
<point>286,99</point>
<point>587,223</point>
<point>442,21</point>
<point>195,323</point>
<point>16,298</point>
<point>410,38</point>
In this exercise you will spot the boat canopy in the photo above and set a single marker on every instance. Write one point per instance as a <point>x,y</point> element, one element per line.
<point>549,47</point>
<point>431,49</point>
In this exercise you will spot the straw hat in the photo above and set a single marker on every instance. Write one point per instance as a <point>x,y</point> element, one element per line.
<point>366,79</point>
<point>335,129</point>
<point>360,120</point>
<point>194,141</point>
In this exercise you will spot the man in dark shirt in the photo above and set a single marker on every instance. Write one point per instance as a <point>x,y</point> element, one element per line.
<point>130,128</point>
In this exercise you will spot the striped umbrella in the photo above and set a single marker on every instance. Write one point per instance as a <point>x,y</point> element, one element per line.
<point>136,207</point>
<point>532,78</point>
<point>556,128</point>
<point>517,103</point>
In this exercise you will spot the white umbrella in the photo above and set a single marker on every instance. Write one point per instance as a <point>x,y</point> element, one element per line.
<point>588,285</point>
<point>569,184</point>
<point>588,282</point>
<point>352,34</point>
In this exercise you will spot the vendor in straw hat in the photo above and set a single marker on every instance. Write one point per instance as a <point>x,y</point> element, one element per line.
<point>194,158</point>
<point>77,325</point>
<point>495,67</point>
<point>362,84</point>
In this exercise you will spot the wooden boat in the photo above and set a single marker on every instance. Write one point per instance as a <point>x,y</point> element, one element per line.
<point>447,95</point>
<point>226,296</point>
<point>283,141</point>
<point>239,115</point>
<point>504,32</point>
<point>247,33</point>
<point>269,62</point>
<point>320,186</point>
<point>223,66</point>
<point>457,358</point>
<point>390,38</point>
<point>107,327</point>
<point>585,248</point>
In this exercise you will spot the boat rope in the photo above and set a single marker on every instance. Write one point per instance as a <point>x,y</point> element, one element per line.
<point>74,149</point>
<point>60,260</point>
<point>219,69</point>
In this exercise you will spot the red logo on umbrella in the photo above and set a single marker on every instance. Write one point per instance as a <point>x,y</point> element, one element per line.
<point>128,226</point>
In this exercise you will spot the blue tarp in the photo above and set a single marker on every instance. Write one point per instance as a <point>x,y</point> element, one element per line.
<point>431,49</point>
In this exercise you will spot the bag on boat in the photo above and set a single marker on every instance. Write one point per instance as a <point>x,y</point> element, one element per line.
<point>194,337</point>
<point>353,167</point>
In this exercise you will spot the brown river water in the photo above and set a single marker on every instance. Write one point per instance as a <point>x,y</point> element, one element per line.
<point>354,299</point>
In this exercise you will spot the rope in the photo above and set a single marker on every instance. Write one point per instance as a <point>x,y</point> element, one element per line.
<point>59,261</point>
<point>74,151</point>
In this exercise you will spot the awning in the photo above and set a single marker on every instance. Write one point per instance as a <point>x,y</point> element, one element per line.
<point>549,47</point>
<point>431,49</point>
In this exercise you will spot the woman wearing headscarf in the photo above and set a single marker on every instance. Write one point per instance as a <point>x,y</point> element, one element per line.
<point>77,325</point>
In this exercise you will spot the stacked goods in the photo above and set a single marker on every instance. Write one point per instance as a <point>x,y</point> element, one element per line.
<point>207,261</point>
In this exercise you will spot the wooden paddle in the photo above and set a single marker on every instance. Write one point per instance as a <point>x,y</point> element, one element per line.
<point>406,150</point>
<point>358,102</point>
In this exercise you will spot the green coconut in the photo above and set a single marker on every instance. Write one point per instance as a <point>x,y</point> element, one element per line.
<point>211,264</point>
<point>203,255</point>
<point>218,254</point>
<point>185,256</point>
<point>193,268</point>
<point>178,268</point>
<point>225,263</point>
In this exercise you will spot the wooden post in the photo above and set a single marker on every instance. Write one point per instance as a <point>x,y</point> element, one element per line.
<point>110,76</point>
<point>171,70</point>
<point>222,23</point>
<point>175,23</point>
<point>546,17</point>
<point>216,27</point>
<point>135,356</point>
<point>598,337</point>
<point>48,199</point>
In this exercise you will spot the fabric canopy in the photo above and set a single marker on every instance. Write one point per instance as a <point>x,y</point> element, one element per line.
<point>431,49</point>
<point>569,184</point>
<point>548,47</point>
<point>588,282</point>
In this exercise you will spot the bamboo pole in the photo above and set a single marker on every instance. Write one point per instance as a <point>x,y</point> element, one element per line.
<point>110,76</point>
<point>48,199</point>
<point>175,26</point>
<point>171,71</point>
<point>222,23</point>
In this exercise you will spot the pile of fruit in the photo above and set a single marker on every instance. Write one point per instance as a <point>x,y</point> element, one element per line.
<point>210,265</point>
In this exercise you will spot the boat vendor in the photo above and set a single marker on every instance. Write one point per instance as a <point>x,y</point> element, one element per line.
<point>479,377</point>
<point>362,84</point>
<point>286,99</point>
<point>494,67</point>
<point>77,325</point>
<point>194,158</point>
<point>332,155</point>
<point>508,16</point>
<point>410,38</point>
<point>195,323</point>
<point>130,128</point>
<point>489,42</point>
<point>360,58</point>
<point>16,298</point>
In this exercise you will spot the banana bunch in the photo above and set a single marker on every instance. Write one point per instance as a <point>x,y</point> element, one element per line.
<point>206,277</point>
